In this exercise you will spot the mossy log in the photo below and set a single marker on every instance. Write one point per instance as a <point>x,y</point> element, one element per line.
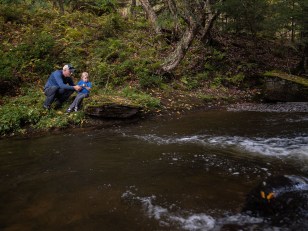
<point>113,111</point>
<point>292,78</point>
<point>283,87</point>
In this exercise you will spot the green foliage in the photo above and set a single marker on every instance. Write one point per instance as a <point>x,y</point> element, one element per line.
<point>140,98</point>
<point>289,19</point>
<point>147,80</point>
<point>20,112</point>
<point>209,67</point>
<point>218,55</point>
<point>284,19</point>
<point>13,13</point>
<point>107,5</point>
<point>27,111</point>
<point>33,55</point>
<point>237,79</point>
<point>206,98</point>
<point>111,63</point>
<point>217,81</point>
<point>145,73</point>
<point>97,7</point>
<point>10,1</point>
<point>214,59</point>
<point>202,76</point>
<point>58,119</point>
<point>190,82</point>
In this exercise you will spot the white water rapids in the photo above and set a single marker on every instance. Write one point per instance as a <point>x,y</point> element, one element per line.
<point>274,146</point>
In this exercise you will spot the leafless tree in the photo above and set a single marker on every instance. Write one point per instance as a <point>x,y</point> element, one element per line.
<point>199,17</point>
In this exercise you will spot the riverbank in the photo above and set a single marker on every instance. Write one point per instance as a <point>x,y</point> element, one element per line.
<point>172,104</point>
<point>24,115</point>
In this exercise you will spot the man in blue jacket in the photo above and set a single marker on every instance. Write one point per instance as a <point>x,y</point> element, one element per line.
<point>60,86</point>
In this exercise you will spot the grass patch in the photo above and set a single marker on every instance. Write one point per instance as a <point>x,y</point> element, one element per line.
<point>26,111</point>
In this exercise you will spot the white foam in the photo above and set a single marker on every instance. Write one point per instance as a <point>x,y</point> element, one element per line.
<point>276,146</point>
<point>271,146</point>
<point>195,222</point>
<point>153,211</point>
<point>166,218</point>
<point>187,220</point>
<point>169,140</point>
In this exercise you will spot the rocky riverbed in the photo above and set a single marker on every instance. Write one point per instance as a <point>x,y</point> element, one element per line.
<point>270,107</point>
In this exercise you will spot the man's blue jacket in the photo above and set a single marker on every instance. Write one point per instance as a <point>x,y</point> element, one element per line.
<point>57,79</point>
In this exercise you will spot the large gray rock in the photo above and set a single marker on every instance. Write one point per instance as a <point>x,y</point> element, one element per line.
<point>113,111</point>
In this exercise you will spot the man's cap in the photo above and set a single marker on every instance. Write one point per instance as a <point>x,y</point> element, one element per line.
<point>69,67</point>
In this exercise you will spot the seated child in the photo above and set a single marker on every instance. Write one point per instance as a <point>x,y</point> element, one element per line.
<point>83,93</point>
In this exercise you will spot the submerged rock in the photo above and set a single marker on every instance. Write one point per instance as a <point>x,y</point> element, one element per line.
<point>281,199</point>
<point>113,111</point>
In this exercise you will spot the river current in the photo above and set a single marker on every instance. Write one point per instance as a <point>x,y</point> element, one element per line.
<point>186,173</point>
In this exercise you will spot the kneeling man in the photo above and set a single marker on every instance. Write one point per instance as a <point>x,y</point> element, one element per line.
<point>60,86</point>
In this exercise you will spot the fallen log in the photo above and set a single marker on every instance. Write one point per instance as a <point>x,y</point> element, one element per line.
<point>283,87</point>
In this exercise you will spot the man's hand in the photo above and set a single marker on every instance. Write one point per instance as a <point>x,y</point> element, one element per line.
<point>77,88</point>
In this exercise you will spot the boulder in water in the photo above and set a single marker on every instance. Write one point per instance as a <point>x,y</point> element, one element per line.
<point>281,199</point>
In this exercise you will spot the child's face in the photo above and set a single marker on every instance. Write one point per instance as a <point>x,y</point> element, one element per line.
<point>85,78</point>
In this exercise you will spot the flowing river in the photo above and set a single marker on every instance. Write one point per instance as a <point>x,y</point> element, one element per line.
<point>186,173</point>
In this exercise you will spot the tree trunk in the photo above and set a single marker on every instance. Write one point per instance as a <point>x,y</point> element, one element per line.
<point>133,8</point>
<point>205,34</point>
<point>292,24</point>
<point>191,32</point>
<point>178,54</point>
<point>302,67</point>
<point>151,15</point>
<point>305,39</point>
<point>172,8</point>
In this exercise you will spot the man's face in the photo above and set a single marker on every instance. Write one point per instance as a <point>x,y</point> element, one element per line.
<point>67,73</point>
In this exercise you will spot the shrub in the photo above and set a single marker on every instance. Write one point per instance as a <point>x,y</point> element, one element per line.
<point>236,80</point>
<point>190,82</point>
<point>147,80</point>
<point>20,112</point>
<point>12,12</point>
<point>34,55</point>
